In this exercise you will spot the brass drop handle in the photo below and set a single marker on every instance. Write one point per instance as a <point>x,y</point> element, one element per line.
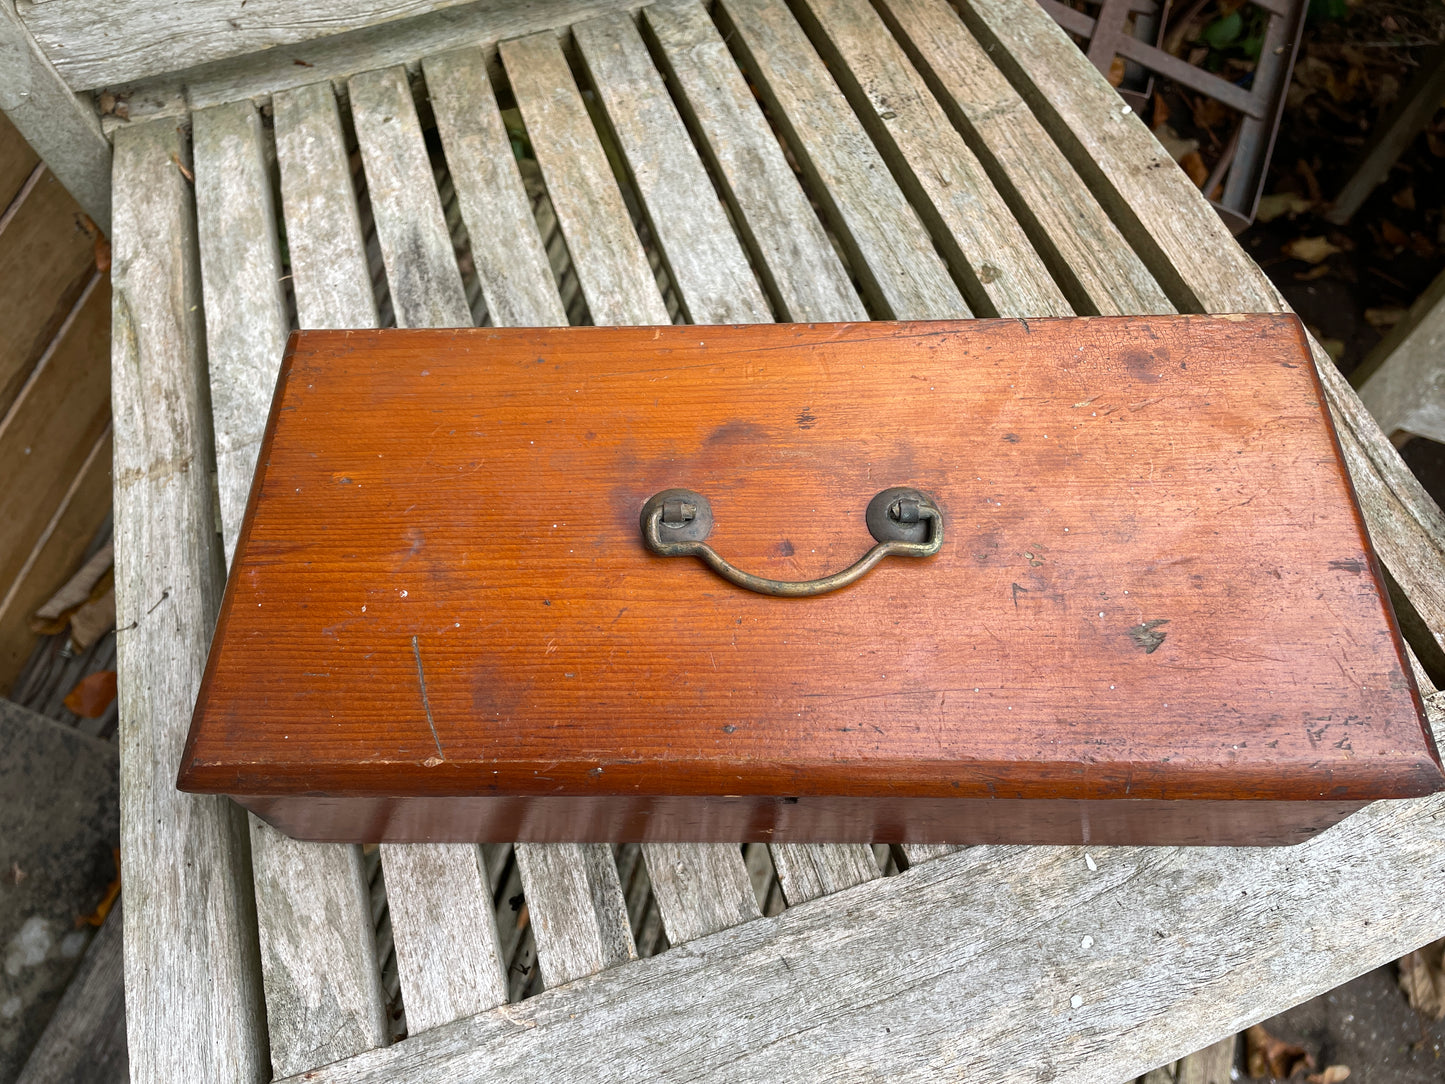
<point>905,523</point>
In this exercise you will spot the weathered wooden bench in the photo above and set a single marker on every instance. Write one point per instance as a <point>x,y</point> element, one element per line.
<point>748,162</point>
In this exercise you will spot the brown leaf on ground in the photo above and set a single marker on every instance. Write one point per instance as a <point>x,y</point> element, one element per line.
<point>1161,110</point>
<point>1116,71</point>
<point>1267,1056</point>
<point>1282,203</point>
<point>1393,234</point>
<point>112,893</point>
<point>1208,113</point>
<point>1310,249</point>
<point>1383,318</point>
<point>1318,271</point>
<point>1422,977</point>
<point>1333,1074</point>
<point>1405,198</point>
<point>92,694</point>
<point>1193,165</point>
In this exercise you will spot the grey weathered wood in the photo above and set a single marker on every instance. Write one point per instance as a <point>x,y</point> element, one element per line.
<point>421,267</point>
<point>807,871</point>
<point>511,261</point>
<point>1165,1074</point>
<point>84,1042</point>
<point>971,964</point>
<point>245,307</point>
<point>123,41</point>
<point>971,223</point>
<point>700,888</point>
<point>1088,255</point>
<point>926,852</point>
<point>324,999</point>
<point>329,275</point>
<point>578,915</point>
<point>1402,382</point>
<point>795,259</point>
<point>611,265</point>
<point>891,252</point>
<point>704,257</point>
<point>193,983</point>
<point>1194,257</point>
<point>444,931</point>
<point>60,127</point>
<point>1212,1065</point>
<point>318,949</point>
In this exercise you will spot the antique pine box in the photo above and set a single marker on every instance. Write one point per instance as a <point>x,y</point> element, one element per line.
<point>1152,614</point>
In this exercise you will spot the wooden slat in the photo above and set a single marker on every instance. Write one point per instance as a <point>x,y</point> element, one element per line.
<point>193,983</point>
<point>700,888</point>
<point>890,250</point>
<point>329,274</point>
<point>52,427</point>
<point>246,324</point>
<point>54,557</point>
<point>1212,1065</point>
<point>45,261</point>
<point>1402,382</point>
<point>611,265</point>
<point>441,912</point>
<point>421,266</point>
<point>511,261</point>
<point>809,871</point>
<point>1088,255</point>
<point>61,128</point>
<point>926,852</point>
<point>980,985</point>
<point>574,900</point>
<point>803,274</point>
<point>1194,257</point>
<point>318,949</point>
<point>688,220</point>
<point>973,225</point>
<point>445,932</point>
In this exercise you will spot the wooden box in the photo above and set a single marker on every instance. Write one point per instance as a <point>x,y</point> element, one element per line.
<point>1154,616</point>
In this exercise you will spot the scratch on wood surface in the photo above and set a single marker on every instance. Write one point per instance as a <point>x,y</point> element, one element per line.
<point>426,705</point>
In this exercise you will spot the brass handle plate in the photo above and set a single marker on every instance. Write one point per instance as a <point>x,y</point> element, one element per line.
<point>904,522</point>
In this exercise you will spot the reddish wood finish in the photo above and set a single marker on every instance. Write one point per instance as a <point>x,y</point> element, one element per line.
<point>441,590</point>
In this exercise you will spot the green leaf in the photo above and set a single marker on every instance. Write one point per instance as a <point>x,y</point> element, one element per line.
<point>1224,32</point>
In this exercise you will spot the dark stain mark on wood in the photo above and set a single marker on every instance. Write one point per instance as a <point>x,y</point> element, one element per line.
<point>1352,565</point>
<point>1012,438</point>
<point>1147,636</point>
<point>1017,588</point>
<point>806,418</point>
<point>426,704</point>
<point>785,548</point>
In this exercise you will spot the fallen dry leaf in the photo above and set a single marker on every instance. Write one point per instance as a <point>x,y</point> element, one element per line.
<point>1333,1074</point>
<point>92,694</point>
<point>1422,977</point>
<point>1161,110</point>
<point>1193,165</point>
<point>1318,271</point>
<point>1267,1056</point>
<point>1393,234</point>
<point>1282,203</point>
<point>112,893</point>
<point>1116,72</point>
<point>186,173</point>
<point>1310,249</point>
<point>1404,199</point>
<point>1385,317</point>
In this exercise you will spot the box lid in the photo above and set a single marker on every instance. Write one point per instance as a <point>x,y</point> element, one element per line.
<point>1154,581</point>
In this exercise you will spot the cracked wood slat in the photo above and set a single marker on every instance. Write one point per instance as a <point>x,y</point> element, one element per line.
<point>1088,255</point>
<point>611,265</point>
<point>804,995</point>
<point>807,871</point>
<point>972,224</point>
<point>193,980</point>
<point>889,248</point>
<point>442,918</point>
<point>704,257</point>
<point>574,899</point>
<point>421,266</point>
<point>510,259</point>
<point>318,949</point>
<point>1197,261</point>
<point>792,253</point>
